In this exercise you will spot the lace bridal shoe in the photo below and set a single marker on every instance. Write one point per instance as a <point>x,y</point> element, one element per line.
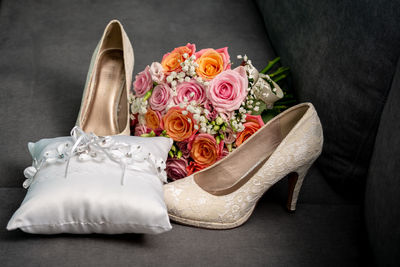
<point>104,108</point>
<point>224,195</point>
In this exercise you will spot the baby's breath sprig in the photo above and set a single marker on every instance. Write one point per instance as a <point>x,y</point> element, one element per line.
<point>238,119</point>
<point>139,105</point>
<point>187,73</point>
<point>194,108</point>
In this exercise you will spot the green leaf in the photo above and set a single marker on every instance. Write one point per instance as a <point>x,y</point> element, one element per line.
<point>268,115</point>
<point>277,79</point>
<point>279,71</point>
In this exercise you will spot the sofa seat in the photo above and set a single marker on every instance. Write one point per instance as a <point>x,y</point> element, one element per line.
<point>315,235</point>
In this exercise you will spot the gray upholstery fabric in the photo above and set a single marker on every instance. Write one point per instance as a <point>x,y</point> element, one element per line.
<point>45,49</point>
<point>316,235</point>
<point>383,185</point>
<point>343,56</point>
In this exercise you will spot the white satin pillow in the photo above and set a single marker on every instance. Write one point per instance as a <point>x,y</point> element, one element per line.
<point>107,190</point>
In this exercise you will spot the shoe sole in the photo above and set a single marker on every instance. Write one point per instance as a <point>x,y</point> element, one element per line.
<point>212,225</point>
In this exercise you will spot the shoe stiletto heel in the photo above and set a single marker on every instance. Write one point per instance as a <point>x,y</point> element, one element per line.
<point>295,181</point>
<point>224,195</point>
<point>292,182</point>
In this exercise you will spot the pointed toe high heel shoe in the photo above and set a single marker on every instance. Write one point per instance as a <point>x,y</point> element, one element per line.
<point>224,195</point>
<point>105,108</point>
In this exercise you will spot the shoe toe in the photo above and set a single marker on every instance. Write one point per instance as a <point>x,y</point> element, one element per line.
<point>173,198</point>
<point>181,197</point>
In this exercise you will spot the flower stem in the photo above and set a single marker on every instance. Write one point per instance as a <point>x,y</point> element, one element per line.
<point>270,65</point>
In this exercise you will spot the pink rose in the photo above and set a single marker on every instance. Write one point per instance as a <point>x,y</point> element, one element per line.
<point>229,136</point>
<point>157,73</point>
<point>226,116</point>
<point>183,146</point>
<point>228,90</point>
<point>141,129</point>
<point>192,90</point>
<point>225,55</point>
<point>160,97</point>
<point>143,82</point>
<point>176,168</point>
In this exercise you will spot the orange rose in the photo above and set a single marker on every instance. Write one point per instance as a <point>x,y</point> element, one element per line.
<point>153,119</point>
<point>172,61</point>
<point>178,126</point>
<point>253,123</point>
<point>205,150</point>
<point>212,62</point>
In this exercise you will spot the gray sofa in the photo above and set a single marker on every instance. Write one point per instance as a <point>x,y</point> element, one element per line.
<point>344,58</point>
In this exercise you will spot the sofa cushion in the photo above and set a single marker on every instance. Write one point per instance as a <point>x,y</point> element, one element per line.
<point>342,55</point>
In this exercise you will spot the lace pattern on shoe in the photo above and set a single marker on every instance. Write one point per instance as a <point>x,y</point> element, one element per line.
<point>297,152</point>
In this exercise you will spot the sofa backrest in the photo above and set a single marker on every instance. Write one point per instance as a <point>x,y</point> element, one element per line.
<point>343,56</point>
<point>382,195</point>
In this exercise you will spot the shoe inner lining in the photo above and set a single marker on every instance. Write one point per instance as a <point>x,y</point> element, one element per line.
<point>106,110</point>
<point>231,173</point>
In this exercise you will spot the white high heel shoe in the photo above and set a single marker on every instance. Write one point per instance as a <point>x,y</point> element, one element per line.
<point>105,108</point>
<point>224,195</point>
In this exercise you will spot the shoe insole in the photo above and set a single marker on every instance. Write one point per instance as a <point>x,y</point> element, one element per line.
<point>106,93</point>
<point>226,176</point>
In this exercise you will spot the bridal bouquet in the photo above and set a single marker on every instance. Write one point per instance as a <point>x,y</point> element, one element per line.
<point>207,107</point>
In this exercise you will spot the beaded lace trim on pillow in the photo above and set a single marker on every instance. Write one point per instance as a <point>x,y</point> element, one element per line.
<point>88,146</point>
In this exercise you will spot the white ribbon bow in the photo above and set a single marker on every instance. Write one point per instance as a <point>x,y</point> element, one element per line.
<point>88,146</point>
